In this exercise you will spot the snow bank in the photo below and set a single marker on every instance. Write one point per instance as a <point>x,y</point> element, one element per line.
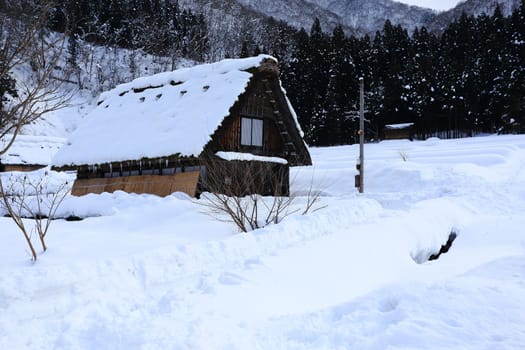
<point>152,272</point>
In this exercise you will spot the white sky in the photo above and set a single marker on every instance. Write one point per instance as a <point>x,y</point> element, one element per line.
<point>433,4</point>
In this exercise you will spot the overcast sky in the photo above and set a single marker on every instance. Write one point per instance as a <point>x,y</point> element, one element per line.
<point>433,4</point>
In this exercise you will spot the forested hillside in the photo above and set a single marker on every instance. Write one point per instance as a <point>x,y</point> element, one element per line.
<point>468,80</point>
<point>473,8</point>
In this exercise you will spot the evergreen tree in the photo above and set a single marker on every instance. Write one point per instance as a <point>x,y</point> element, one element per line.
<point>495,72</point>
<point>341,92</point>
<point>7,88</point>
<point>297,80</point>
<point>244,50</point>
<point>514,109</point>
<point>319,75</point>
<point>375,85</point>
<point>72,50</point>
<point>396,45</point>
<point>460,76</point>
<point>363,57</point>
<point>422,80</point>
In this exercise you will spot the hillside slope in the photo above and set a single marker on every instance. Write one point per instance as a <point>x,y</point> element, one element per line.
<point>471,7</point>
<point>366,17</point>
<point>357,17</point>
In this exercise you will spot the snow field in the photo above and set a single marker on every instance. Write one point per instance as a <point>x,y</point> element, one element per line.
<point>143,272</point>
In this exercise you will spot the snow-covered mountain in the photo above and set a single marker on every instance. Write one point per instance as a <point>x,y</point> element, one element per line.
<point>298,13</point>
<point>356,16</point>
<point>370,16</point>
<point>477,7</point>
<point>472,7</point>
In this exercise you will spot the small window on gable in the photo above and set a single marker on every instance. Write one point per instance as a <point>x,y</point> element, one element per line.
<point>251,132</point>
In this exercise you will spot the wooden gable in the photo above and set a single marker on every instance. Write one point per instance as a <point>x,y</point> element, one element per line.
<point>264,100</point>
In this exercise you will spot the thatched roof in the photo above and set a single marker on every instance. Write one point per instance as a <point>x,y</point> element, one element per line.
<point>30,150</point>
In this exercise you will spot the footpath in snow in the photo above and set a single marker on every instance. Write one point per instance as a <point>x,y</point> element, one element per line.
<point>143,272</point>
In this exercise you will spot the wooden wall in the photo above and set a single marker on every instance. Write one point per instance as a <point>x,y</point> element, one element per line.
<point>153,184</point>
<point>397,134</point>
<point>240,178</point>
<point>18,167</point>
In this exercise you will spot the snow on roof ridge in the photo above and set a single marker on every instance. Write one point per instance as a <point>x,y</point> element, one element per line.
<point>181,75</point>
<point>292,111</point>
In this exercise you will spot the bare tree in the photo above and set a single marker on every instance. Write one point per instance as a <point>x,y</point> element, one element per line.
<point>30,86</point>
<point>27,46</point>
<point>32,196</point>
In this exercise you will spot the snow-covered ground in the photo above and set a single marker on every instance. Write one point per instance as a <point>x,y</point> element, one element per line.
<point>142,272</point>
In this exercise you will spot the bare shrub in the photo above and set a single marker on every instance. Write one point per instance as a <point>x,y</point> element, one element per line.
<point>251,195</point>
<point>313,197</point>
<point>32,196</point>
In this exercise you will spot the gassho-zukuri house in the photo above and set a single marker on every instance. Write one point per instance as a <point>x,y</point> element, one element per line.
<point>28,152</point>
<point>225,127</point>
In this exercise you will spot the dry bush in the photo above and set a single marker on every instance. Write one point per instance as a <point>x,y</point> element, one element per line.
<point>251,195</point>
<point>313,198</point>
<point>32,196</point>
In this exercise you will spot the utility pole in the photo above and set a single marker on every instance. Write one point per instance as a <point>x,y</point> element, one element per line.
<point>359,183</point>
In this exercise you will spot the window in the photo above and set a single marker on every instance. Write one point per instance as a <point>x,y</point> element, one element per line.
<point>251,132</point>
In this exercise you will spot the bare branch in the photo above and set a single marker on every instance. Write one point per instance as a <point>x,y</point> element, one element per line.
<point>31,196</point>
<point>235,193</point>
<point>14,210</point>
<point>26,44</point>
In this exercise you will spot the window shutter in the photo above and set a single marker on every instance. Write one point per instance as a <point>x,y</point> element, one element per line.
<point>246,131</point>
<point>257,132</point>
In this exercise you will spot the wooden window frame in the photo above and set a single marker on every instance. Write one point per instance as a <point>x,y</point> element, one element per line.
<point>251,144</point>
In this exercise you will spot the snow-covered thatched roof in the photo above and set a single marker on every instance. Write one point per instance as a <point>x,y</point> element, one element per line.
<point>30,150</point>
<point>161,115</point>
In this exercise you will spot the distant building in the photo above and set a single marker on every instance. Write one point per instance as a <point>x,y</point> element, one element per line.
<point>29,153</point>
<point>183,130</point>
<point>398,131</point>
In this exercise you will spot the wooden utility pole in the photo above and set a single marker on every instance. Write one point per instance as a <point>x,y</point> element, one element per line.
<point>361,132</point>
